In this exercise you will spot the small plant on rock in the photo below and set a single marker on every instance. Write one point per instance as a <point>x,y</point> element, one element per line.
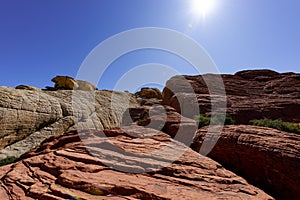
<point>7,160</point>
<point>277,124</point>
<point>216,119</point>
<point>140,122</point>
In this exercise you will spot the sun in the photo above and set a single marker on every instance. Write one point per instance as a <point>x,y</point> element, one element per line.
<point>201,8</point>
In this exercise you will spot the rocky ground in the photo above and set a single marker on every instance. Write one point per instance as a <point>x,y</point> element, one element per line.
<point>144,168</point>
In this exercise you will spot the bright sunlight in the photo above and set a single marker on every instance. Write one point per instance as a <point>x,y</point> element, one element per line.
<point>201,8</point>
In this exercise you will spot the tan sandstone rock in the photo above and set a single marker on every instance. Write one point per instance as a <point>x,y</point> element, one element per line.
<point>27,87</point>
<point>69,83</point>
<point>149,93</point>
<point>85,86</point>
<point>64,82</point>
<point>45,113</point>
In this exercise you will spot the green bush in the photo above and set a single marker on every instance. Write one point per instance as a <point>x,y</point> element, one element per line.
<point>277,124</point>
<point>140,122</point>
<point>217,119</point>
<point>7,160</point>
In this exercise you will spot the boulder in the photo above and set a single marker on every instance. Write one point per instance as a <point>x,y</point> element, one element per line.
<point>267,158</point>
<point>27,87</point>
<point>85,86</point>
<point>65,83</point>
<point>149,93</point>
<point>69,83</point>
<point>86,166</point>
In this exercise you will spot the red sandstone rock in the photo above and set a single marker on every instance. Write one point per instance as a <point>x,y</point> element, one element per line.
<point>63,168</point>
<point>252,94</point>
<point>163,118</point>
<point>267,158</point>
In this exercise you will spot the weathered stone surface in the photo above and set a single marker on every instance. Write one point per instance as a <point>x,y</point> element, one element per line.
<point>27,87</point>
<point>133,114</point>
<point>69,83</point>
<point>62,168</point>
<point>252,94</point>
<point>23,112</point>
<point>45,113</point>
<point>85,85</point>
<point>163,118</point>
<point>149,102</point>
<point>35,139</point>
<point>149,93</point>
<point>64,83</point>
<point>267,158</point>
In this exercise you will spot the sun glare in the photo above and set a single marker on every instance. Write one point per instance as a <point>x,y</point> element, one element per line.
<point>201,8</point>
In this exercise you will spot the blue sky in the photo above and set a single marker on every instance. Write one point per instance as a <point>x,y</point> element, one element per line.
<point>42,39</point>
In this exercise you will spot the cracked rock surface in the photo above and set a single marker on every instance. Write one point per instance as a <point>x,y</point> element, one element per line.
<point>28,117</point>
<point>267,158</point>
<point>128,163</point>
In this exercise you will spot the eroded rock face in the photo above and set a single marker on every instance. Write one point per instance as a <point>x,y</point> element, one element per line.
<point>267,158</point>
<point>45,113</point>
<point>62,168</point>
<point>251,94</point>
<point>149,93</point>
<point>163,118</point>
<point>23,112</point>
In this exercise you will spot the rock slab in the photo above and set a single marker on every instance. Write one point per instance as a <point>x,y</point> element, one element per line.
<point>46,113</point>
<point>84,166</point>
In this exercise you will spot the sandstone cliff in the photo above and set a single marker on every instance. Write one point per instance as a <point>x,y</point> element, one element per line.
<point>252,94</point>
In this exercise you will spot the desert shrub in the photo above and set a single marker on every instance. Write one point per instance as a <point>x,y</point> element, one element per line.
<point>7,160</point>
<point>203,120</point>
<point>277,124</point>
<point>140,122</point>
<point>217,119</point>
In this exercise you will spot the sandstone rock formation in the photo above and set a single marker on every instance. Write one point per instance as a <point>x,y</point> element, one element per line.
<point>129,162</point>
<point>85,85</point>
<point>149,93</point>
<point>64,83</point>
<point>69,83</point>
<point>252,94</point>
<point>267,158</point>
<point>63,168</point>
<point>149,96</point>
<point>163,118</point>
<point>27,87</point>
<point>45,113</point>
<point>24,112</point>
